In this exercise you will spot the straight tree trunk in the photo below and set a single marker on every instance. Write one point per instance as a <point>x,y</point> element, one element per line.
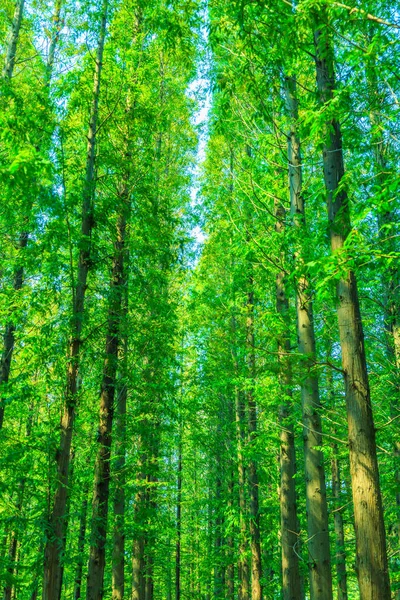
<point>57,520</point>
<point>339,529</point>
<point>55,36</point>
<point>292,588</point>
<point>230,569</point>
<point>118,566</point>
<point>139,542</point>
<point>9,62</point>
<point>81,544</point>
<point>341,573</point>
<point>372,564</point>
<point>178,523</point>
<point>96,565</point>
<point>138,592</point>
<point>243,561</point>
<point>319,560</point>
<point>256,566</point>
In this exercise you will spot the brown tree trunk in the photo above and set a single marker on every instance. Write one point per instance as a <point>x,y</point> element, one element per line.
<point>243,561</point>
<point>372,564</point>
<point>139,541</point>
<point>339,529</point>
<point>319,560</point>
<point>292,588</point>
<point>57,520</point>
<point>255,545</point>
<point>118,560</point>
<point>9,334</point>
<point>96,565</point>
<point>9,62</point>
<point>341,573</point>
<point>81,544</point>
<point>178,523</point>
<point>138,592</point>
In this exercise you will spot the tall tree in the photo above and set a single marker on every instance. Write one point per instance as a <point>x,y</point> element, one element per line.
<point>372,570</point>
<point>57,519</point>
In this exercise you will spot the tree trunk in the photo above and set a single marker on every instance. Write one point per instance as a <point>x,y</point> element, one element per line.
<point>178,523</point>
<point>9,62</point>
<point>372,565</point>
<point>57,520</point>
<point>81,544</point>
<point>102,470</point>
<point>243,561</point>
<point>230,542</point>
<point>9,334</point>
<point>292,588</point>
<point>319,560</point>
<point>138,569</point>
<point>118,561</point>
<point>55,35</point>
<point>339,530</point>
<point>256,567</point>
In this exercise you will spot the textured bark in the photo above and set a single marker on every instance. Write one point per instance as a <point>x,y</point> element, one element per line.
<point>339,530</point>
<point>372,565</point>
<point>316,504</point>
<point>81,544</point>
<point>292,588</point>
<point>341,573</point>
<point>138,569</point>
<point>9,62</point>
<point>57,520</point>
<point>97,555</point>
<point>118,558</point>
<point>255,544</point>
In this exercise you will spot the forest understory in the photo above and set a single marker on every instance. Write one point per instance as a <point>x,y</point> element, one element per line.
<point>199,300</point>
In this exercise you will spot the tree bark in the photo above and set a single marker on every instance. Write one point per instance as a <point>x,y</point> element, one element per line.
<point>178,523</point>
<point>319,560</point>
<point>96,565</point>
<point>9,62</point>
<point>255,544</point>
<point>81,544</point>
<point>57,520</point>
<point>292,588</point>
<point>372,564</point>
<point>118,560</point>
<point>243,562</point>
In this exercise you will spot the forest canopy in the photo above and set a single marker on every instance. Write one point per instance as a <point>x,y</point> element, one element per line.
<point>199,300</point>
